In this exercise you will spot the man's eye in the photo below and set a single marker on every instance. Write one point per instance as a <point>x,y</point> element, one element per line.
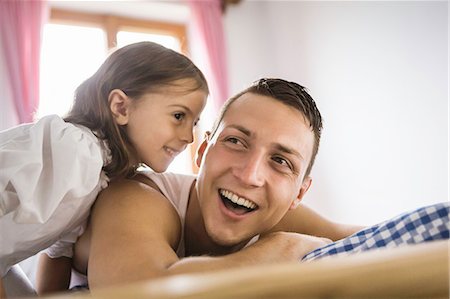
<point>233,140</point>
<point>179,116</point>
<point>282,162</point>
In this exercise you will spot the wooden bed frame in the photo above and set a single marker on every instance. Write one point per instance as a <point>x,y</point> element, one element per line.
<point>415,271</point>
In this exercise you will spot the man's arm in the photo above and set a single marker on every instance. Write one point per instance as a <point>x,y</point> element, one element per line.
<point>277,247</point>
<point>135,232</point>
<point>304,220</point>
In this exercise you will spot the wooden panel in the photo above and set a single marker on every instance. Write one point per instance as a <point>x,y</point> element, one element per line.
<point>75,18</point>
<point>419,271</point>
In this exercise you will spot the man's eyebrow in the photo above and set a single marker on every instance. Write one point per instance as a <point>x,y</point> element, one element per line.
<point>244,130</point>
<point>278,146</point>
<point>288,150</point>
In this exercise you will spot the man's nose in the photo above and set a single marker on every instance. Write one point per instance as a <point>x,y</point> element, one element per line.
<point>250,170</point>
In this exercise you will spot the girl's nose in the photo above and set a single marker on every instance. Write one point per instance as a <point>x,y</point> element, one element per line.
<point>187,134</point>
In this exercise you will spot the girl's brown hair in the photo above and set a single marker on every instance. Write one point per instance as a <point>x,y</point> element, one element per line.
<point>135,69</point>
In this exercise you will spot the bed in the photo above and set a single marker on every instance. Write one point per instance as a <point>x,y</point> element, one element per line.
<point>412,271</point>
<point>403,257</point>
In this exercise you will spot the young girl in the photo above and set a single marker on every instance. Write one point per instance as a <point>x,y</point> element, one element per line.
<point>139,107</point>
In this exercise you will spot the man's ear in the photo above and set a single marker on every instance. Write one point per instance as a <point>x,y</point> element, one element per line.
<point>305,186</point>
<point>119,103</point>
<point>201,149</point>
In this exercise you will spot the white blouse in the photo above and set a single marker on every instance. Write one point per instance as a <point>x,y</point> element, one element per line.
<point>50,175</point>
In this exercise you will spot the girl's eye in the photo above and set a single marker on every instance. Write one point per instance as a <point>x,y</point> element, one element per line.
<point>179,116</point>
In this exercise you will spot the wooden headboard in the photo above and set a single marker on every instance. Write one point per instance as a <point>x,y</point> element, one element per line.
<point>419,271</point>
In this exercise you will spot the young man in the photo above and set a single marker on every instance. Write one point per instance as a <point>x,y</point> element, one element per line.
<point>242,209</point>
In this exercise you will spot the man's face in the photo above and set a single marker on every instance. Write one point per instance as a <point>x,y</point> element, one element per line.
<point>252,170</point>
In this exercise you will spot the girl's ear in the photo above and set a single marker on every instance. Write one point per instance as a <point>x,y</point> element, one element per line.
<point>119,103</point>
<point>305,186</point>
<point>201,149</point>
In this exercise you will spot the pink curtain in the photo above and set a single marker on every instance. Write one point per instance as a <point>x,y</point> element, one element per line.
<point>208,26</point>
<point>21,24</point>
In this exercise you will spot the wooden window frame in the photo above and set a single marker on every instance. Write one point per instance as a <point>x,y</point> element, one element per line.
<point>112,24</point>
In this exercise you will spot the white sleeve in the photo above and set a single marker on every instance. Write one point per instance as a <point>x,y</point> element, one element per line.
<point>50,175</point>
<point>64,246</point>
<point>43,163</point>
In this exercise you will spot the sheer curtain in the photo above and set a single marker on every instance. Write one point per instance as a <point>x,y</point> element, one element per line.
<point>21,24</point>
<point>207,23</point>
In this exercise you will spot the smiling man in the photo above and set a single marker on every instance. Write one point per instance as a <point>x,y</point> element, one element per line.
<point>242,209</point>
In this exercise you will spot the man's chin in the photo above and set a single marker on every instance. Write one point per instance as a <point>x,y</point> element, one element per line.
<point>229,242</point>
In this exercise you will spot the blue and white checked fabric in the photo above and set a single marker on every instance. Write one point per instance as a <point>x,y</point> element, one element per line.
<point>422,225</point>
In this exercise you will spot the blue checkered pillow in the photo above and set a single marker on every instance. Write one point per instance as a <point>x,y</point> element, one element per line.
<point>421,225</point>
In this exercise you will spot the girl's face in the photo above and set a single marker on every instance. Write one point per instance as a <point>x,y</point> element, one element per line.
<point>160,124</point>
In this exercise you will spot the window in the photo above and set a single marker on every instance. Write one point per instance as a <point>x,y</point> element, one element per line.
<point>65,62</point>
<point>74,46</point>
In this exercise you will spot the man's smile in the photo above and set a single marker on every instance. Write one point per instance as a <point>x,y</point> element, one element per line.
<point>235,203</point>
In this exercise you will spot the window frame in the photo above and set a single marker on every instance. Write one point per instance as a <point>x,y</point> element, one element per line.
<point>112,24</point>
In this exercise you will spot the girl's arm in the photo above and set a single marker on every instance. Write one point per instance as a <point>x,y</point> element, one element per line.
<point>53,274</point>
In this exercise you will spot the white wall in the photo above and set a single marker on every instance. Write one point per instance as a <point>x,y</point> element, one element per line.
<point>379,74</point>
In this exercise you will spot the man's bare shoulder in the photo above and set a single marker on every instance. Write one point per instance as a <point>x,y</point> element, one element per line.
<point>138,206</point>
<point>128,188</point>
<point>129,193</point>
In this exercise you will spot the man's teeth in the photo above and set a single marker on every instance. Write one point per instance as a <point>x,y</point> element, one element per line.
<point>238,200</point>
